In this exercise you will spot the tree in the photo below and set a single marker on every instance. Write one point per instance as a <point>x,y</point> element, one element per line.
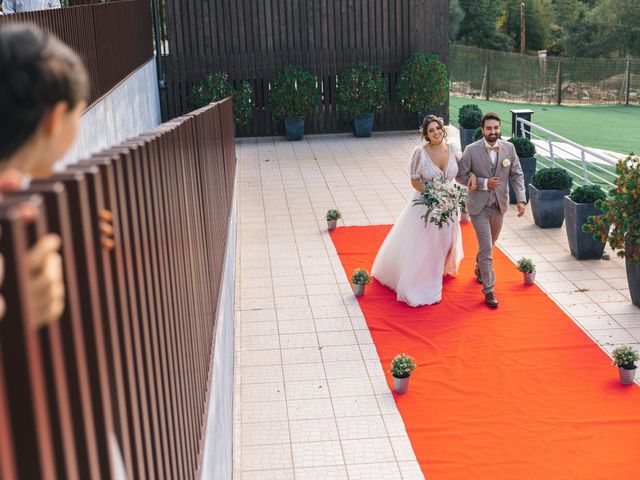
<point>478,27</point>
<point>456,14</point>
<point>538,20</point>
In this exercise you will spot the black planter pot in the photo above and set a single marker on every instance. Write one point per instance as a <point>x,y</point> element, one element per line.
<point>582,244</point>
<point>529,169</point>
<point>633,273</point>
<point>466,137</point>
<point>547,206</point>
<point>363,125</point>
<point>294,128</point>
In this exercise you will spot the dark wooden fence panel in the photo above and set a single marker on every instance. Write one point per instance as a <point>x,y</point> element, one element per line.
<point>253,41</point>
<point>131,357</point>
<point>113,39</point>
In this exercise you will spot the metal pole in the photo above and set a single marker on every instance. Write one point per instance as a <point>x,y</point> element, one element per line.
<point>585,174</point>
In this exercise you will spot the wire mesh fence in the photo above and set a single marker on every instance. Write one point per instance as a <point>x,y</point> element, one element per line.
<point>491,74</point>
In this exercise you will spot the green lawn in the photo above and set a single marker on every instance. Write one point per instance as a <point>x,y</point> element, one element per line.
<point>610,127</point>
<point>575,167</point>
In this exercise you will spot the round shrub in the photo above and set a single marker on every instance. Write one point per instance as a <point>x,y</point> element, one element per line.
<point>477,135</point>
<point>469,116</point>
<point>588,194</point>
<point>216,86</point>
<point>362,90</point>
<point>423,83</point>
<point>551,179</point>
<point>294,93</point>
<point>524,147</point>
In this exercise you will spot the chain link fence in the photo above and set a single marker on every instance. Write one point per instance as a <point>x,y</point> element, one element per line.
<point>495,75</point>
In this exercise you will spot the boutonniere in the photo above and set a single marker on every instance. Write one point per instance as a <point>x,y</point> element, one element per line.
<point>506,162</point>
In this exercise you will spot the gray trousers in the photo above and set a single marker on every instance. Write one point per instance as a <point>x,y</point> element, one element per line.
<point>487,225</point>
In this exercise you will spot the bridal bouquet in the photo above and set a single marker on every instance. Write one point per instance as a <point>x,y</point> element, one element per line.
<point>442,199</point>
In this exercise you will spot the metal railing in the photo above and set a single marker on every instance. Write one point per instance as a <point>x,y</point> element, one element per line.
<point>113,39</point>
<point>584,164</point>
<point>123,376</point>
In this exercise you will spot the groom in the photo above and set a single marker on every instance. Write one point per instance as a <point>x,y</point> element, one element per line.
<point>494,162</point>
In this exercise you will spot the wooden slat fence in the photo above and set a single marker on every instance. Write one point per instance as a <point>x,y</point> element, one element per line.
<point>253,40</point>
<point>144,228</point>
<point>113,39</point>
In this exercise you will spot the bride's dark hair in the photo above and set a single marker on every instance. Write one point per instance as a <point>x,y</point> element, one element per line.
<point>425,123</point>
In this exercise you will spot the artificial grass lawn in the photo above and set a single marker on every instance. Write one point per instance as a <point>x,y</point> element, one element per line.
<point>575,167</point>
<point>609,127</point>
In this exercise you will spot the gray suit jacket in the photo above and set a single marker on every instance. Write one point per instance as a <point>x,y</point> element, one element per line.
<point>476,159</point>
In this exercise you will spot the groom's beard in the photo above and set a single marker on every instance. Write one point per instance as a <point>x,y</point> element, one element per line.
<point>492,138</point>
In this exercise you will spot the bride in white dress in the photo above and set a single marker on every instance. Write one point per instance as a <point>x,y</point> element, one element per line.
<point>413,258</point>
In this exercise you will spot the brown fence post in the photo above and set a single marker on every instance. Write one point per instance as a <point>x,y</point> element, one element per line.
<point>559,84</point>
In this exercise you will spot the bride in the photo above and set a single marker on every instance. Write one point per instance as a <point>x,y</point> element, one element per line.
<point>414,257</point>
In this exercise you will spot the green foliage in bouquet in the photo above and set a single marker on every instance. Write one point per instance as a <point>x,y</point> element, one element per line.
<point>526,265</point>
<point>524,147</point>
<point>625,356</point>
<point>588,194</point>
<point>469,116</point>
<point>621,209</point>
<point>442,199</point>
<point>216,86</point>
<point>551,179</point>
<point>361,277</point>
<point>423,83</point>
<point>294,93</point>
<point>402,365</point>
<point>362,90</point>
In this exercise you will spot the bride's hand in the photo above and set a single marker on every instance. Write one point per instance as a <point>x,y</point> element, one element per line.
<point>473,182</point>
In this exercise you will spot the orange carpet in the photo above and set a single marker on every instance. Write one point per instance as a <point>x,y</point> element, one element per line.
<point>514,393</point>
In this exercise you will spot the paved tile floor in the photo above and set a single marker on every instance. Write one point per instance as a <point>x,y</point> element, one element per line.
<point>311,400</point>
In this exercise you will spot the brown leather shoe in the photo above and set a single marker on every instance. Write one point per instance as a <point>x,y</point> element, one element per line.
<point>476,271</point>
<point>491,300</point>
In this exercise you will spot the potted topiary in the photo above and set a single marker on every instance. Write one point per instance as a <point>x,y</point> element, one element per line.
<point>217,86</point>
<point>423,84</point>
<point>293,95</point>
<point>578,207</point>
<point>624,357</point>
<point>528,269</point>
<point>621,210</point>
<point>362,92</point>
<point>526,152</point>
<point>401,367</point>
<point>360,279</point>
<point>332,218</point>
<point>546,192</point>
<point>477,135</point>
<point>469,118</point>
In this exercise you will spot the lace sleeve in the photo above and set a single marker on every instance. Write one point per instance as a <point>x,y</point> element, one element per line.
<point>414,165</point>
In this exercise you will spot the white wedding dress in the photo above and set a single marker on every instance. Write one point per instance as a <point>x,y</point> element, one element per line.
<point>413,258</point>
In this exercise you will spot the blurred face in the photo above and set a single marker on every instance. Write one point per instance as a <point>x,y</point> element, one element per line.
<point>491,130</point>
<point>435,134</point>
<point>59,129</point>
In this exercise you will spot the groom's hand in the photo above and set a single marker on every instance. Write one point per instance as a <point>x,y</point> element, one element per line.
<point>493,183</point>
<point>521,207</point>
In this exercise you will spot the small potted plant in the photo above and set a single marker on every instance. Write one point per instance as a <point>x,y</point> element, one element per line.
<point>528,269</point>
<point>423,84</point>
<point>360,279</point>
<point>621,209</point>
<point>332,218</point>
<point>624,357</point>
<point>401,367</point>
<point>293,95</point>
<point>362,92</point>
<point>217,86</point>
<point>526,151</point>
<point>547,190</point>
<point>578,207</point>
<point>464,215</point>
<point>469,118</point>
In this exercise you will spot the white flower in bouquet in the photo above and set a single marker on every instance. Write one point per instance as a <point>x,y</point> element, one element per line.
<point>442,199</point>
